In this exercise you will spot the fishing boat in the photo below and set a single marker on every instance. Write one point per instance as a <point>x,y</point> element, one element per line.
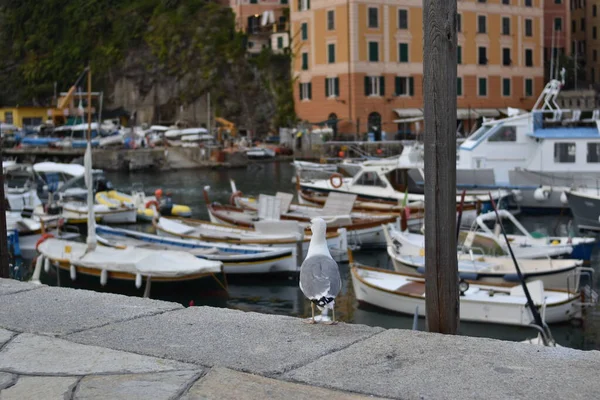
<point>301,166</point>
<point>585,206</point>
<point>20,186</point>
<point>407,252</point>
<point>278,234</point>
<point>260,152</point>
<point>236,259</point>
<point>112,266</point>
<point>479,302</point>
<point>147,207</point>
<point>533,244</point>
<point>540,155</point>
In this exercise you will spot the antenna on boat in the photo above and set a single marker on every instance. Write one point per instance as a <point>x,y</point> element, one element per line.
<point>87,161</point>
<point>534,311</point>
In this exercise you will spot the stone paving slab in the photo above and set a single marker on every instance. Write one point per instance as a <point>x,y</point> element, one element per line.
<point>9,286</point>
<point>40,387</point>
<point>223,383</point>
<point>58,311</point>
<point>247,341</point>
<point>416,365</point>
<point>156,386</point>
<point>42,355</point>
<point>7,380</point>
<point>5,336</point>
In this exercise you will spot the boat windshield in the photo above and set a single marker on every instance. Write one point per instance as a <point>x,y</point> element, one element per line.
<point>479,133</point>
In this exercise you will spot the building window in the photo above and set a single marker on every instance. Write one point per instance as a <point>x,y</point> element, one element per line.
<point>306,91</point>
<point>304,30</point>
<point>506,60</point>
<point>459,54</point>
<point>458,22</point>
<point>284,1</point>
<point>373,51</point>
<point>332,87</point>
<point>481,1</point>
<point>373,17</point>
<point>8,117</point>
<point>557,1</point>
<point>304,61</point>
<point>505,25</point>
<point>594,10</point>
<point>528,87</point>
<point>504,134</point>
<point>402,19</point>
<point>573,26</point>
<point>481,24</point>
<point>558,24</point>
<point>403,52</point>
<point>564,152</point>
<point>593,152</point>
<point>459,86</point>
<point>331,53</point>
<point>506,87</point>
<point>374,86</point>
<point>592,75</point>
<point>482,55</point>
<point>528,57</point>
<point>594,33</point>
<point>280,42</point>
<point>303,5</point>
<point>528,3</point>
<point>595,55</point>
<point>506,2</point>
<point>528,27</point>
<point>482,87</point>
<point>330,20</point>
<point>33,121</point>
<point>582,24</point>
<point>404,86</point>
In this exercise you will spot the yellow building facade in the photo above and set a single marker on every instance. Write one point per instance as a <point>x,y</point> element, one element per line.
<point>23,116</point>
<point>361,62</point>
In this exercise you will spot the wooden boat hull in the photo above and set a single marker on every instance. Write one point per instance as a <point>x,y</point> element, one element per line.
<point>470,310</point>
<point>118,216</point>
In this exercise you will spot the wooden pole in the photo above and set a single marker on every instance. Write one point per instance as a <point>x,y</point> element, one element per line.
<point>4,267</point>
<point>89,104</point>
<point>439,79</point>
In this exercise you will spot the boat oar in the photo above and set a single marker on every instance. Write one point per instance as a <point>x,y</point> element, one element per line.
<point>460,212</point>
<point>534,311</point>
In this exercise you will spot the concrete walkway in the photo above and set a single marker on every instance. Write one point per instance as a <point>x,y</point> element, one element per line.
<point>58,343</point>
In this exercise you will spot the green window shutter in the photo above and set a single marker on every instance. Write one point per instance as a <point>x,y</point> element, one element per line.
<point>482,87</point>
<point>336,84</point>
<point>326,87</point>
<point>367,85</point>
<point>403,51</point>
<point>459,86</point>
<point>308,4</point>
<point>299,5</point>
<point>300,90</point>
<point>279,42</point>
<point>304,61</point>
<point>528,87</point>
<point>382,85</point>
<point>331,53</point>
<point>397,86</point>
<point>411,86</point>
<point>506,87</point>
<point>373,51</point>
<point>309,90</point>
<point>459,54</point>
<point>304,31</point>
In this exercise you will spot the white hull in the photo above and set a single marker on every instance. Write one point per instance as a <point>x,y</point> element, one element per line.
<point>105,215</point>
<point>478,306</point>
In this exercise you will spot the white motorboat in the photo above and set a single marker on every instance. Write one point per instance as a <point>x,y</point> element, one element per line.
<point>236,259</point>
<point>407,252</point>
<point>585,206</point>
<point>260,152</point>
<point>540,154</point>
<point>20,186</point>
<point>498,304</point>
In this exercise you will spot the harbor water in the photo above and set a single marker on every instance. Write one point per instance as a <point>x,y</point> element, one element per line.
<point>283,296</point>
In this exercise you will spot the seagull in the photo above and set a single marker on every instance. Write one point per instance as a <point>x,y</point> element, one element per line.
<point>319,274</point>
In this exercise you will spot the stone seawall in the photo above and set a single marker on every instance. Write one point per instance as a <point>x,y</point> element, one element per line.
<point>66,343</point>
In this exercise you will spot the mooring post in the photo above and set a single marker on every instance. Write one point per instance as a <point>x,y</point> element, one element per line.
<point>439,93</point>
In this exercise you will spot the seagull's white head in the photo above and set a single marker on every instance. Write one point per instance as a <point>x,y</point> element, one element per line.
<point>318,227</point>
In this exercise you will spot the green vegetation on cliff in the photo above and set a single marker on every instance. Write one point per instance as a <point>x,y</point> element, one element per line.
<point>193,42</point>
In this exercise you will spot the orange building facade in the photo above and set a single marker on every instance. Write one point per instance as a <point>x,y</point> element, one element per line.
<point>360,62</point>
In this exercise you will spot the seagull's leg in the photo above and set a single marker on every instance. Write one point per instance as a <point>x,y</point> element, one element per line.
<point>311,321</point>
<point>333,321</point>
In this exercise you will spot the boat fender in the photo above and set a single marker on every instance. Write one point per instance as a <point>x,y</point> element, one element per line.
<point>233,196</point>
<point>469,276</point>
<point>517,195</point>
<point>138,280</point>
<point>540,194</point>
<point>43,239</point>
<point>153,202</point>
<point>511,278</point>
<point>73,272</point>
<point>340,180</point>
<point>46,265</point>
<point>103,277</point>
<point>563,198</point>
<point>421,270</point>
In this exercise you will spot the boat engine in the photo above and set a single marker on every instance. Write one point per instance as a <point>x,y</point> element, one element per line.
<point>54,209</point>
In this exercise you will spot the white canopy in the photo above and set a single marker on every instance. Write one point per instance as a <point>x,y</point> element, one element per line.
<point>67,169</point>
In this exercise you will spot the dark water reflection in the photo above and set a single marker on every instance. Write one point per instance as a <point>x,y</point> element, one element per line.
<point>282,296</point>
